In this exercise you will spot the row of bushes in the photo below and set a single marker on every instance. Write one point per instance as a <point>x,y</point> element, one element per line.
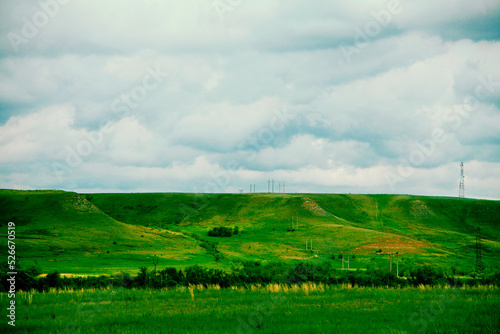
<point>248,273</point>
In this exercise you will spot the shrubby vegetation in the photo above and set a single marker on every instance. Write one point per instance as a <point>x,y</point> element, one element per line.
<point>248,273</point>
<point>223,231</point>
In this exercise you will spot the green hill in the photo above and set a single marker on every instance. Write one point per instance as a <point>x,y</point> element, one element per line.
<point>106,233</point>
<point>64,231</point>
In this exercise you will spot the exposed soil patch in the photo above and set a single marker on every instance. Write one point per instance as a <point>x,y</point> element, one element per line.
<point>312,206</point>
<point>419,209</point>
<point>392,245</point>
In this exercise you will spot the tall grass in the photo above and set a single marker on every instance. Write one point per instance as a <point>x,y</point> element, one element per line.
<point>274,308</point>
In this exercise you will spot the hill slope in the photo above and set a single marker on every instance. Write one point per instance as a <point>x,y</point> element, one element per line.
<point>64,231</point>
<point>73,232</point>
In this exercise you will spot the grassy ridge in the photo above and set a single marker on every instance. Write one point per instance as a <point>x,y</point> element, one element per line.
<point>77,233</point>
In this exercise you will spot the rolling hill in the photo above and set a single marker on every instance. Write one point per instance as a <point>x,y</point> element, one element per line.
<point>106,233</point>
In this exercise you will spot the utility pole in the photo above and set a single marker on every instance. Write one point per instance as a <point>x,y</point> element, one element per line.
<point>461,186</point>
<point>268,186</point>
<point>273,186</point>
<point>155,261</point>
<point>279,191</point>
<point>311,244</point>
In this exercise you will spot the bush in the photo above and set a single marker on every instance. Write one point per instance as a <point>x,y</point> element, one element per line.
<point>212,250</point>
<point>53,280</point>
<point>426,275</point>
<point>221,232</point>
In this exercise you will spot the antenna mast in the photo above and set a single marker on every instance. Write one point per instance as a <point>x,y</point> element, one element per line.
<point>461,188</point>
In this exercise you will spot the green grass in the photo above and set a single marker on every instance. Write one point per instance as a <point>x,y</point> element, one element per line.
<point>106,233</point>
<point>273,309</point>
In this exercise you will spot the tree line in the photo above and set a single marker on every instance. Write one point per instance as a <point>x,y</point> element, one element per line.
<point>247,274</point>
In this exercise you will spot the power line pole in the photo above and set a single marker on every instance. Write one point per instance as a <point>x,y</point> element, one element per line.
<point>308,243</point>
<point>279,191</point>
<point>273,186</point>
<point>461,187</point>
<point>268,186</point>
<point>283,187</point>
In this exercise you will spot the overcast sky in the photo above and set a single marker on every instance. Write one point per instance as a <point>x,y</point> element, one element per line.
<point>212,96</point>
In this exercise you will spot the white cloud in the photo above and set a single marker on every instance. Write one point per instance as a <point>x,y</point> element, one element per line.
<point>222,78</point>
<point>35,136</point>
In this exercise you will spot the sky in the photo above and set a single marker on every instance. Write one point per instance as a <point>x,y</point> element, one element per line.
<point>213,96</point>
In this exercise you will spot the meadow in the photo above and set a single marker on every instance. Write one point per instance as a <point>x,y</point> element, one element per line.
<point>275,308</point>
<point>295,263</point>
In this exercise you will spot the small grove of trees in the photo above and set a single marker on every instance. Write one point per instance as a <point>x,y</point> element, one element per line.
<point>223,231</point>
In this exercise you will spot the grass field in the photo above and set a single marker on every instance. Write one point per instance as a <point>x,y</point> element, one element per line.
<point>106,233</point>
<point>272,309</point>
<point>94,234</point>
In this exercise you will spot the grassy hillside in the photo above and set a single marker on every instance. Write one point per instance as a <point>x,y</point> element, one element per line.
<point>64,231</point>
<point>73,233</point>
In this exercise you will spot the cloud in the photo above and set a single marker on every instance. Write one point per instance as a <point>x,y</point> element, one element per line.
<point>81,107</point>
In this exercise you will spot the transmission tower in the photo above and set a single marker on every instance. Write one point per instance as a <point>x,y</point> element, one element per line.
<point>461,187</point>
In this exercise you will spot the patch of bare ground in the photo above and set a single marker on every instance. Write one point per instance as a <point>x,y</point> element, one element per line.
<point>393,245</point>
<point>314,207</point>
<point>419,209</point>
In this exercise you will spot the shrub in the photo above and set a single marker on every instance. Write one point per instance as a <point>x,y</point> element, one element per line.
<point>53,280</point>
<point>221,232</point>
<point>426,275</point>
